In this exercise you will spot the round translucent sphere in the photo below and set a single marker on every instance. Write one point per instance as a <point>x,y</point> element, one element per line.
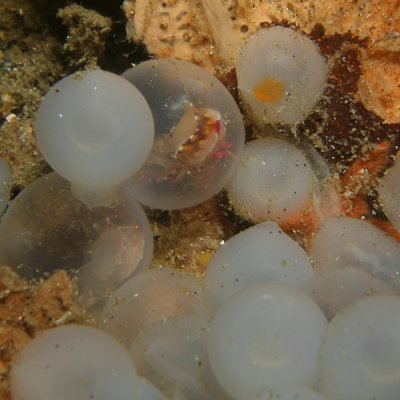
<point>274,181</point>
<point>360,352</point>
<point>148,297</point>
<point>389,193</point>
<point>334,290</point>
<point>173,355</point>
<point>281,75</point>
<point>290,392</point>
<point>144,390</point>
<point>198,132</point>
<point>259,254</point>
<point>65,363</point>
<point>5,179</point>
<point>95,129</point>
<point>46,228</point>
<point>343,242</point>
<point>267,334</point>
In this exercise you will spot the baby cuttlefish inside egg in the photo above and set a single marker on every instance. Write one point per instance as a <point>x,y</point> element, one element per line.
<point>198,136</point>
<point>198,132</point>
<point>269,90</point>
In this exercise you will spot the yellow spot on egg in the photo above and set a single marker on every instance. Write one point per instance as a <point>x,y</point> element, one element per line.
<point>269,90</point>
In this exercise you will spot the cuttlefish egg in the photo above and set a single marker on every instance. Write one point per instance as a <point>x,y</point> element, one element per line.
<point>197,133</point>
<point>284,84</point>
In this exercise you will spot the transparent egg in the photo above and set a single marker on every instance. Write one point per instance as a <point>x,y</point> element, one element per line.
<point>46,228</point>
<point>281,75</point>
<point>267,334</point>
<point>5,179</point>
<point>342,241</point>
<point>148,297</point>
<point>145,390</point>
<point>274,181</point>
<point>261,253</point>
<point>198,132</point>
<point>94,129</point>
<point>360,351</point>
<point>334,290</point>
<point>65,363</point>
<point>290,392</point>
<point>173,355</point>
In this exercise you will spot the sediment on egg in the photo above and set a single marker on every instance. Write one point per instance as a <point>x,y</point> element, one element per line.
<point>276,181</point>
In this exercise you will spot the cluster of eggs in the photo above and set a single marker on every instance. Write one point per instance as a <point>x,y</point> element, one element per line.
<point>264,323</point>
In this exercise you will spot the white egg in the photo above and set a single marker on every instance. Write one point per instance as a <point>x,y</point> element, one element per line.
<point>95,129</point>
<point>267,334</point>
<point>73,362</point>
<point>274,181</point>
<point>344,241</point>
<point>281,75</point>
<point>334,290</point>
<point>360,352</point>
<point>289,392</point>
<point>144,390</point>
<point>259,254</point>
<point>173,355</point>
